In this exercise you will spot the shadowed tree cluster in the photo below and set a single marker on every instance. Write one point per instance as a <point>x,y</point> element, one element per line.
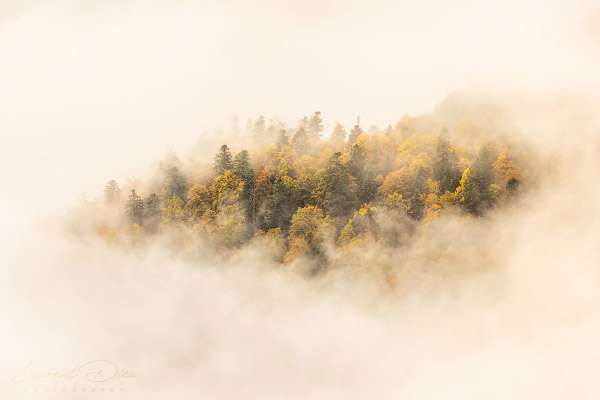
<point>311,192</point>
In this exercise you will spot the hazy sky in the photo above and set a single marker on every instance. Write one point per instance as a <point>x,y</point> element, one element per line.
<point>94,90</point>
<point>85,85</point>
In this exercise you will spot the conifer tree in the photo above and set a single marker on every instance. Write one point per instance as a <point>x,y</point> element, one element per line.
<point>339,188</point>
<point>259,129</point>
<point>445,169</point>
<point>134,208</point>
<point>339,133</point>
<point>222,160</point>
<point>355,132</point>
<point>111,191</point>
<point>282,139</point>
<point>300,142</point>
<point>174,185</point>
<point>315,126</point>
<point>244,171</point>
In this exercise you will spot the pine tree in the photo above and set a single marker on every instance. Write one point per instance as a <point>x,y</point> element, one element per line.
<point>259,129</point>
<point>111,191</point>
<point>244,171</point>
<point>367,190</point>
<point>469,194</point>
<point>222,160</point>
<point>389,130</point>
<point>134,208</point>
<point>355,132</point>
<point>339,188</point>
<point>300,142</point>
<point>282,139</point>
<point>151,206</point>
<point>416,202</point>
<point>174,185</point>
<point>482,175</point>
<point>339,133</point>
<point>315,126</point>
<point>280,206</point>
<point>445,169</point>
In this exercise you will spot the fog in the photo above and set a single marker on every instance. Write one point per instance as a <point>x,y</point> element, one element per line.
<point>91,91</point>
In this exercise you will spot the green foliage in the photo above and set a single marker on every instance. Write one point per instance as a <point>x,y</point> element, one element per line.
<point>302,195</point>
<point>300,142</point>
<point>222,161</point>
<point>152,212</point>
<point>315,126</point>
<point>446,169</point>
<point>244,171</point>
<point>134,208</point>
<point>338,187</point>
<point>174,185</point>
<point>355,132</point>
<point>338,136</point>
<point>280,205</point>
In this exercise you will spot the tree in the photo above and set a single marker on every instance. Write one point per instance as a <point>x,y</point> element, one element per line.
<point>367,188</point>
<point>309,232</point>
<point>226,191</point>
<point>174,185</point>
<point>280,206</point>
<point>358,157</point>
<point>151,212</point>
<point>151,204</point>
<point>482,168</point>
<point>244,171</point>
<point>468,193</point>
<point>259,129</point>
<point>199,201</point>
<point>482,177</point>
<point>234,125</point>
<point>300,142</point>
<point>303,189</point>
<point>303,123</point>
<point>445,169</point>
<point>355,132</point>
<point>389,130</point>
<point>134,208</point>
<point>241,165</point>
<point>315,126</point>
<point>338,136</point>
<point>398,181</point>
<point>222,160</point>
<point>338,188</point>
<point>361,228</point>
<point>282,138</point>
<point>111,191</point>
<point>416,202</point>
<point>506,170</point>
<point>173,212</point>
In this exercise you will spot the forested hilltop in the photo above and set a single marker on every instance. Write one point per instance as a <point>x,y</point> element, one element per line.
<point>303,194</point>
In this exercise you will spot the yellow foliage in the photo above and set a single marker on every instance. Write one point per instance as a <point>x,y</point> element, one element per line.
<point>298,247</point>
